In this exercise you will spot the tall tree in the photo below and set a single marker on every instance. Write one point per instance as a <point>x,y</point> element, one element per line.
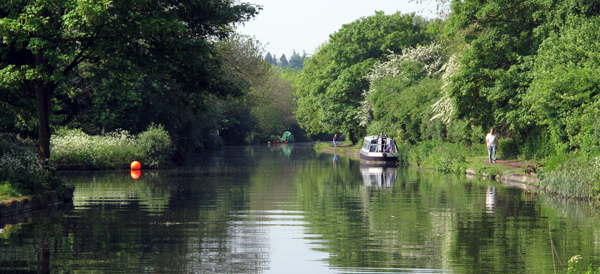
<point>296,61</point>
<point>283,62</point>
<point>269,58</point>
<point>332,82</point>
<point>45,40</point>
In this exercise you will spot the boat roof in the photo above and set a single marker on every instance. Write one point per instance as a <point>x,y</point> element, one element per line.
<point>375,137</point>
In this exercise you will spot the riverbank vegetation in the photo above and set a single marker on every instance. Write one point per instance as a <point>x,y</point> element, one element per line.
<point>89,86</point>
<point>437,86</point>
<point>152,148</point>
<point>526,69</point>
<point>21,173</point>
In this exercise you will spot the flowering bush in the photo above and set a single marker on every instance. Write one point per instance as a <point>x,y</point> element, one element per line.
<point>20,171</point>
<point>112,150</point>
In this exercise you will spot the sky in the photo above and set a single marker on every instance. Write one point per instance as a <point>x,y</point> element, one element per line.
<point>288,25</point>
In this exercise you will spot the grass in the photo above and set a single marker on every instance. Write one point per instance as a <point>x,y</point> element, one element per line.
<point>577,177</point>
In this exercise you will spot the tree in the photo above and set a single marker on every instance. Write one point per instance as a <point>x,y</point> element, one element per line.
<point>269,58</point>
<point>44,41</point>
<point>283,62</point>
<point>401,91</point>
<point>267,106</point>
<point>502,39</point>
<point>564,94</point>
<point>296,61</point>
<point>332,82</point>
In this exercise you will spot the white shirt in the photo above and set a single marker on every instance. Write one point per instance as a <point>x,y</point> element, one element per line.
<point>491,139</point>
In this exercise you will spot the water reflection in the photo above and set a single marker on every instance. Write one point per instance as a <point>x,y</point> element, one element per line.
<point>378,176</point>
<point>490,199</point>
<point>258,210</point>
<point>287,149</point>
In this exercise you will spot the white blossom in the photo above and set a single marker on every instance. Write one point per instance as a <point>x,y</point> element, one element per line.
<point>444,107</point>
<point>430,56</point>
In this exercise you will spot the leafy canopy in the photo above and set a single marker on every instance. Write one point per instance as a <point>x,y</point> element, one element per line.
<point>331,84</point>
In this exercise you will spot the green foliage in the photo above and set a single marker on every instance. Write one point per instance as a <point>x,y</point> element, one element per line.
<point>402,109</point>
<point>575,267</point>
<point>267,105</point>
<point>444,157</point>
<point>296,61</point>
<point>7,191</point>
<point>508,149</point>
<point>20,172</point>
<point>330,85</point>
<point>45,41</point>
<point>117,149</point>
<point>573,176</point>
<point>154,145</point>
<point>528,68</point>
<point>564,92</point>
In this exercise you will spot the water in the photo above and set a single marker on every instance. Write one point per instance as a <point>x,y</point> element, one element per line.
<point>286,209</point>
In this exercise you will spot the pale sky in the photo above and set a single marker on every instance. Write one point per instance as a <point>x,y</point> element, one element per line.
<point>285,25</point>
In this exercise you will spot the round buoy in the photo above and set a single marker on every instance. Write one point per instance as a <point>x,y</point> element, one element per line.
<point>135,174</point>
<point>286,142</point>
<point>136,165</point>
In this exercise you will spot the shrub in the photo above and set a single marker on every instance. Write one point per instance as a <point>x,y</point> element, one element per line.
<point>508,149</point>
<point>20,171</point>
<point>112,150</point>
<point>445,157</point>
<point>154,145</point>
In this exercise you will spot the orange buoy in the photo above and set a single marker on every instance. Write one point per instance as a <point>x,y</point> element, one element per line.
<point>136,165</point>
<point>136,173</point>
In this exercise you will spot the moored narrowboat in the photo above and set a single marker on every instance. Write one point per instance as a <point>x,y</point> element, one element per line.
<point>379,149</point>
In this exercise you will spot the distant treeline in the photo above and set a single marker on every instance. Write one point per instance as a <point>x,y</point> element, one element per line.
<point>295,62</point>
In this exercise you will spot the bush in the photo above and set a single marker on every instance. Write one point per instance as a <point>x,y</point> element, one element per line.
<point>112,150</point>
<point>154,145</point>
<point>20,171</point>
<point>444,157</point>
<point>508,149</point>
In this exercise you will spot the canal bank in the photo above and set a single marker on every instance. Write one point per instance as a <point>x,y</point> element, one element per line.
<point>509,177</point>
<point>29,203</point>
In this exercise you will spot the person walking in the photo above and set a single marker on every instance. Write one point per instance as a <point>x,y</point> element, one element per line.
<point>335,140</point>
<point>491,141</point>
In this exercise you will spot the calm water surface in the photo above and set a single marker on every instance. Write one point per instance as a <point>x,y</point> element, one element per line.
<point>286,209</point>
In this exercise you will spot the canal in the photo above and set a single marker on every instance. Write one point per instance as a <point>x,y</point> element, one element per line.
<point>288,209</point>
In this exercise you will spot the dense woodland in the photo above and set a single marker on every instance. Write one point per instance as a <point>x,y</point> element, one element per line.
<point>529,69</point>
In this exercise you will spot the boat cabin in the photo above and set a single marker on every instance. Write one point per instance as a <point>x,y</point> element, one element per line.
<point>379,144</point>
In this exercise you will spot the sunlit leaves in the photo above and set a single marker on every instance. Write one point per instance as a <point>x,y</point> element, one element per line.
<point>331,84</point>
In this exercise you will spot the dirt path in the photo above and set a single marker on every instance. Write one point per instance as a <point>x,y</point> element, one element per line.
<point>510,163</point>
<point>513,164</point>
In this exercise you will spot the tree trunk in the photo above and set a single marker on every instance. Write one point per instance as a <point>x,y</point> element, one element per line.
<point>43,93</point>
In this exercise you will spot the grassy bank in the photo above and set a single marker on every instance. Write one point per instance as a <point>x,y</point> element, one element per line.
<point>450,157</point>
<point>112,150</point>
<point>21,173</point>
<point>575,174</point>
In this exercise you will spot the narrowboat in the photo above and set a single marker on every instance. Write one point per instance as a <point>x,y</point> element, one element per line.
<point>379,150</point>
